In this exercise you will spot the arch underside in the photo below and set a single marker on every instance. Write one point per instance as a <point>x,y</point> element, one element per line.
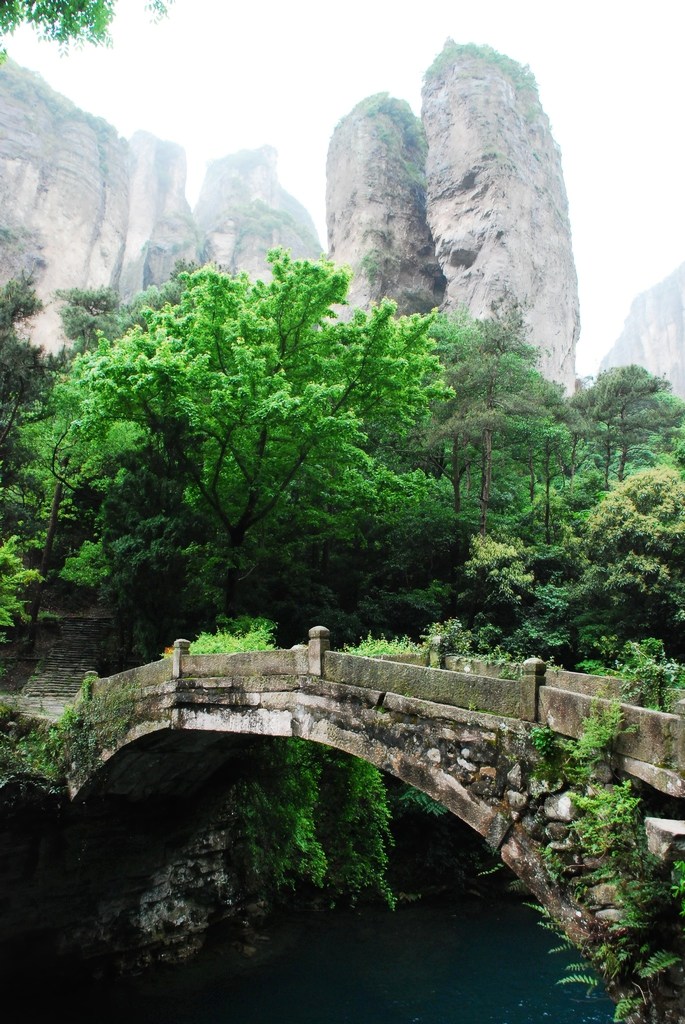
<point>176,754</point>
<point>467,761</point>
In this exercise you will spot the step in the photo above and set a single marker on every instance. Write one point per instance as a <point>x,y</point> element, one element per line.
<point>74,653</point>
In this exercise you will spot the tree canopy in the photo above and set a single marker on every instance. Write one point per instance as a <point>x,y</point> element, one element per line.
<point>491,368</point>
<point>66,21</point>
<point>25,371</point>
<point>630,412</point>
<point>243,384</point>
<point>633,585</point>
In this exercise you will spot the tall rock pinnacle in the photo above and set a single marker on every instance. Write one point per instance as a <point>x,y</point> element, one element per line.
<point>376,206</point>
<point>496,199</point>
<point>243,212</point>
<point>466,209</point>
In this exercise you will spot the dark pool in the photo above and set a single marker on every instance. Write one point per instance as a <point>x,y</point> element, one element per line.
<point>437,963</point>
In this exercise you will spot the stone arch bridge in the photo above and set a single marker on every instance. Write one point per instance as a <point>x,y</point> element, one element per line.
<point>462,736</point>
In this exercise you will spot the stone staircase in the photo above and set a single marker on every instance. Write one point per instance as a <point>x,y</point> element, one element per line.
<point>57,679</point>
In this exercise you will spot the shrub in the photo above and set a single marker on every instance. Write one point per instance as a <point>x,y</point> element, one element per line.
<point>233,635</point>
<point>374,647</point>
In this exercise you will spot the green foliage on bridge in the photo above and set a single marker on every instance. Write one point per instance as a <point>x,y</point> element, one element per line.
<point>243,634</point>
<point>608,832</point>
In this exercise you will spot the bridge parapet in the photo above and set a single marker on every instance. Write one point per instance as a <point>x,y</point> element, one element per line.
<point>142,675</point>
<point>652,747</point>
<point>302,659</point>
<point>457,689</point>
<point>561,678</point>
<point>245,663</point>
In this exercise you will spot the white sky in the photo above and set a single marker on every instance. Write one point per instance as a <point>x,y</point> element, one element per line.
<point>218,76</point>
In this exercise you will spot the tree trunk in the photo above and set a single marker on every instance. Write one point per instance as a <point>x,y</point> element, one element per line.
<point>456,474</point>
<point>548,516</point>
<point>45,562</point>
<point>486,479</point>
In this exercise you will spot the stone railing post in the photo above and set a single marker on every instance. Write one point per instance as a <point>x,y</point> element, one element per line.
<point>679,710</point>
<point>534,670</point>
<point>319,643</point>
<point>436,657</point>
<point>90,678</point>
<point>180,648</point>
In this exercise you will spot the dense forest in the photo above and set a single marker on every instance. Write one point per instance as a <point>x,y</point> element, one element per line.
<point>222,448</point>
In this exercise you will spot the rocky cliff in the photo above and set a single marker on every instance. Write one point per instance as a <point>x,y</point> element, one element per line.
<point>81,207</point>
<point>243,211</point>
<point>90,895</point>
<point>160,226</point>
<point>653,335</point>
<point>63,194</point>
<point>493,213</point>
<point>376,207</point>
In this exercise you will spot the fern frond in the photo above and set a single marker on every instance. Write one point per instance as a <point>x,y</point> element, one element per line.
<point>657,963</point>
<point>626,1006</point>
<point>579,979</point>
<point>563,948</point>
<point>550,926</point>
<point>491,871</point>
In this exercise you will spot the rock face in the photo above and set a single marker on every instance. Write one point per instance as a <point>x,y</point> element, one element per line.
<point>376,207</point>
<point>496,213</point>
<point>110,892</point>
<point>653,335</point>
<point>465,207</point>
<point>243,211</point>
<point>161,230</point>
<point>63,218</point>
<point>81,207</point>
<point>497,203</point>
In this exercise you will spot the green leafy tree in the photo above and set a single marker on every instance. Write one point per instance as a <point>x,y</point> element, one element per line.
<point>27,374</point>
<point>244,384</point>
<point>631,416</point>
<point>353,827</point>
<point>310,814</point>
<point>649,677</point>
<point>406,576</point>
<point>14,580</point>
<point>540,441</point>
<point>498,580</point>
<point>276,799</point>
<point>86,313</point>
<point>64,486</point>
<point>491,369</point>
<point>359,553</point>
<point>25,370</point>
<point>633,583</point>
<point>66,21</point>
<point>143,564</point>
